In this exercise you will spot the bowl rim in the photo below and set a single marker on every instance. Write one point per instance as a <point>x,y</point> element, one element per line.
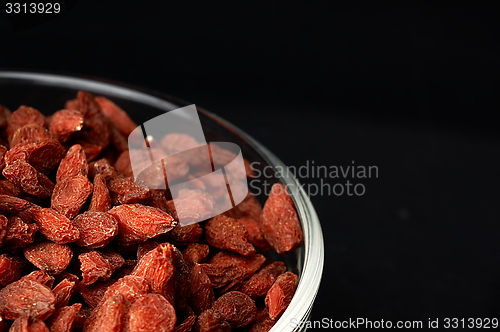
<point>312,269</point>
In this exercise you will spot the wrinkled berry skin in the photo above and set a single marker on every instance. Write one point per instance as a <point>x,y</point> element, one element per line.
<point>280,295</point>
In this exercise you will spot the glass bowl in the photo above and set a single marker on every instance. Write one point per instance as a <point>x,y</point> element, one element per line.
<point>48,92</point>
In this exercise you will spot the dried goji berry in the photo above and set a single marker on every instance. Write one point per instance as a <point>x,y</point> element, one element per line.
<point>236,308</point>
<point>115,259</point>
<point>96,229</point>
<point>228,269</point>
<point>196,253</point>
<point>48,256</point>
<point>279,222</point>
<point>108,316</point>
<point>201,295</point>
<point>19,234</point>
<point>119,117</point>
<point>10,269</point>
<point>22,116</point>
<point>255,236</point>
<point>193,205</point>
<point>43,155</point>
<point>41,277</point>
<point>73,164</point>
<point>64,123</point>
<point>158,268</point>
<point>94,267</point>
<point>54,226</point>
<point>150,312</point>
<point>101,200</point>
<point>63,291</point>
<point>226,233</point>
<point>26,298</point>
<point>132,287</point>
<point>25,324</point>
<point>91,150</point>
<point>28,178</point>
<point>182,235</point>
<point>96,130</point>
<point>63,319</point>
<point>258,284</point>
<point>211,321</point>
<point>182,283</point>
<point>126,191</point>
<point>137,222</point>
<point>280,295</point>
<point>102,167</point>
<point>93,293</point>
<point>70,194</point>
<point>29,134</point>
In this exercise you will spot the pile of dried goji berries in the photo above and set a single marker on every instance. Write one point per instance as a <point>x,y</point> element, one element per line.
<point>85,248</point>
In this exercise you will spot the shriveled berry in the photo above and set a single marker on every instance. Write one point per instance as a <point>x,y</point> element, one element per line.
<point>258,284</point>
<point>126,191</point>
<point>255,236</point>
<point>74,163</point>
<point>228,269</point>
<point>55,226</point>
<point>25,324</point>
<point>236,308</point>
<point>91,150</point>
<point>48,256</point>
<point>280,295</point>
<point>103,167</point>
<point>248,208</point>
<point>196,253</point>
<point>96,130</point>
<point>193,205</point>
<point>201,295</point>
<point>70,194</point>
<point>94,267</point>
<point>93,293</point>
<point>19,234</point>
<point>23,116</point>
<point>279,222</point>
<point>211,321</point>
<point>41,277</point>
<point>158,268</point>
<point>132,287</point>
<point>31,181</point>
<point>10,269</point>
<point>43,155</point>
<point>137,222</point>
<point>26,298</point>
<point>114,259</point>
<point>226,233</point>
<point>29,134</point>
<point>150,312</point>
<point>63,292</point>
<point>62,320</point>
<point>65,123</point>
<point>108,316</point>
<point>119,117</point>
<point>182,235</point>
<point>101,200</point>
<point>96,229</point>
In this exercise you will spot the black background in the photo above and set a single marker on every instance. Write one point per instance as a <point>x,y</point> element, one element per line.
<point>410,88</point>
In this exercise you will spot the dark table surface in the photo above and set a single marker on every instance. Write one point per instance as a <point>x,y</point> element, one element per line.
<point>411,89</point>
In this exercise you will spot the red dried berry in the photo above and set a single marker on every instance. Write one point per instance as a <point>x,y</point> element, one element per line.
<point>236,308</point>
<point>259,284</point>
<point>158,268</point>
<point>23,116</point>
<point>117,139</point>
<point>201,295</point>
<point>19,234</point>
<point>48,256</point>
<point>126,191</point>
<point>262,321</point>
<point>101,200</point>
<point>108,316</point>
<point>63,292</point>
<point>226,233</point>
<point>103,167</point>
<point>228,269</point>
<point>26,298</point>
<point>119,117</point>
<point>193,205</point>
<point>30,133</point>
<point>145,247</point>
<point>280,295</point>
<point>31,181</point>
<point>65,123</point>
<point>54,226</point>
<point>182,235</point>
<point>93,294</point>
<point>96,130</point>
<point>250,208</point>
<point>94,267</point>
<point>196,253</point>
<point>279,222</point>
<point>63,319</point>
<point>132,287</point>
<point>70,194</point>
<point>73,164</point>
<point>137,222</point>
<point>25,324</point>
<point>115,259</point>
<point>41,277</point>
<point>255,236</point>
<point>211,321</point>
<point>10,269</point>
<point>151,313</point>
<point>91,150</point>
<point>96,229</point>
<point>43,155</point>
